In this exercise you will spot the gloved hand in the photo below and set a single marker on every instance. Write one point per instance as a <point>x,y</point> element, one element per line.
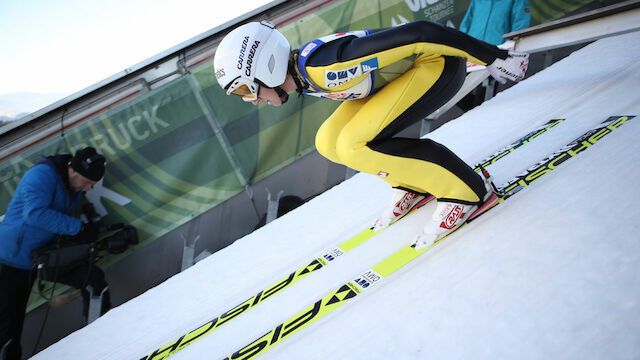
<point>512,68</point>
<point>88,233</point>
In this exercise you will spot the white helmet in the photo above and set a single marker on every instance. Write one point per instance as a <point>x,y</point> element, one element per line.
<point>250,56</point>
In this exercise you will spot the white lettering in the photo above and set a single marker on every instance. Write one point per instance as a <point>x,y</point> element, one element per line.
<point>121,133</point>
<point>99,191</point>
<point>101,143</point>
<point>414,5</point>
<point>134,131</point>
<point>154,120</point>
<point>440,10</point>
<point>116,136</point>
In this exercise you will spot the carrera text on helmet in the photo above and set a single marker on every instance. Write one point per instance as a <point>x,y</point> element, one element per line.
<point>252,53</point>
<point>245,42</point>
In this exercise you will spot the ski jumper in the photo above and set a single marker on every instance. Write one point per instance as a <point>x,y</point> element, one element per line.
<point>391,79</point>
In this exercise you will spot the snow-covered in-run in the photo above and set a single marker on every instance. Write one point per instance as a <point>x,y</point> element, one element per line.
<point>552,273</point>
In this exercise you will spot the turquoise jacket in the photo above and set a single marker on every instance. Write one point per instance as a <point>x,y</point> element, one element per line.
<point>39,211</point>
<point>488,20</point>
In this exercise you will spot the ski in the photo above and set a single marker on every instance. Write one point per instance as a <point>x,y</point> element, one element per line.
<point>318,263</point>
<point>389,265</point>
<point>516,144</point>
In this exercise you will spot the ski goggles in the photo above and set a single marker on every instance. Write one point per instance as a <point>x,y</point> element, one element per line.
<point>247,90</point>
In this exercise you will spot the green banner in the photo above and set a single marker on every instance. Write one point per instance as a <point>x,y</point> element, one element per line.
<point>185,147</point>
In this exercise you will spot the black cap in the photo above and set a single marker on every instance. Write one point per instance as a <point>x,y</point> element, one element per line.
<point>88,163</point>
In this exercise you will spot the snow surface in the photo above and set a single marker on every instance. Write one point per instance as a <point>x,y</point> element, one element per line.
<point>553,273</point>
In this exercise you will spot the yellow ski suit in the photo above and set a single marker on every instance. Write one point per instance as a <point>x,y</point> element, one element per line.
<point>391,79</point>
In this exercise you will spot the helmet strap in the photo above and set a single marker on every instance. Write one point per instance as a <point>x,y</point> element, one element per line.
<point>298,83</point>
<point>282,94</point>
<point>293,70</point>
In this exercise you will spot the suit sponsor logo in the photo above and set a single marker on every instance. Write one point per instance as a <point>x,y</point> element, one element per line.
<point>335,78</point>
<point>307,49</point>
<point>369,65</point>
<point>341,96</point>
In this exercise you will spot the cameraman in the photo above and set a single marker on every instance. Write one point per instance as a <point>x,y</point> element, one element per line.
<point>40,213</point>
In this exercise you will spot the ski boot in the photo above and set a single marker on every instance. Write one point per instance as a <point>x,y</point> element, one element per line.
<point>449,216</point>
<point>402,202</point>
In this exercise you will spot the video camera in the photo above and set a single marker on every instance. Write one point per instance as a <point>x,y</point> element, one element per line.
<point>71,250</point>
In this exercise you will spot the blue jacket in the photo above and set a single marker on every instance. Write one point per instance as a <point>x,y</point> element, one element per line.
<point>488,20</point>
<point>38,212</point>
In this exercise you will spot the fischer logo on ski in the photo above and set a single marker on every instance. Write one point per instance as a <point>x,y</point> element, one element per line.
<point>365,281</point>
<point>566,152</point>
<point>517,144</point>
<point>407,254</point>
